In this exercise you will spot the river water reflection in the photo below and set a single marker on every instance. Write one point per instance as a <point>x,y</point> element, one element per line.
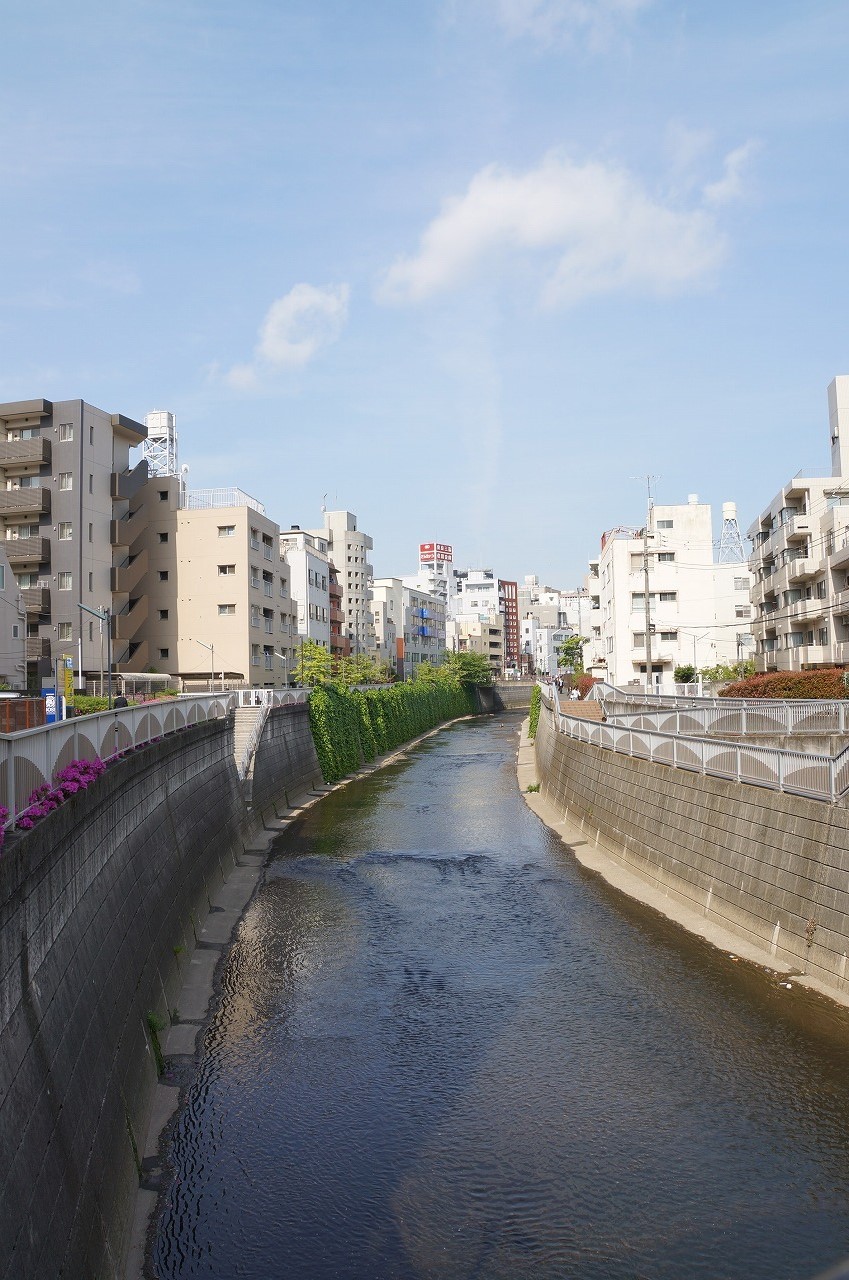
<point>444,1050</point>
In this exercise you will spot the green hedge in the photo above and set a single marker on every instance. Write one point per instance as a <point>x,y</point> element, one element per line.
<point>533,718</point>
<point>352,726</point>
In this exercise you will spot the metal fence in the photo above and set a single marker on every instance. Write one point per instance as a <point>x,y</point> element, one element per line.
<point>32,757</point>
<point>729,715</point>
<point>817,776</point>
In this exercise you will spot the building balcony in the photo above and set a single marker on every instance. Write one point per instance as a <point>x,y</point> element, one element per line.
<point>27,550</point>
<point>126,624</point>
<point>126,577</point>
<point>36,599</point>
<point>806,609</point>
<point>799,528</point>
<point>37,648</point>
<point>801,568</point>
<point>25,501</point>
<point>126,484</point>
<point>840,556</point>
<point>24,453</point>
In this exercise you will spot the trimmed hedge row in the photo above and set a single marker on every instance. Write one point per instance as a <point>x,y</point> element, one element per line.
<point>825,683</point>
<point>533,716</point>
<point>352,726</point>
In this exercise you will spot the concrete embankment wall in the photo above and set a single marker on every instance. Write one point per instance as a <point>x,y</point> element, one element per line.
<point>772,868</point>
<point>99,909</point>
<point>512,695</point>
<point>286,765</point>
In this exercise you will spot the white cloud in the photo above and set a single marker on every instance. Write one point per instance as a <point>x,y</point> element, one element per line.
<point>294,330</point>
<point>557,21</point>
<point>730,185</point>
<point>593,228</point>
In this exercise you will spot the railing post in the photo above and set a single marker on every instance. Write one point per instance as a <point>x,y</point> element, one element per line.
<point>10,779</point>
<point>780,770</point>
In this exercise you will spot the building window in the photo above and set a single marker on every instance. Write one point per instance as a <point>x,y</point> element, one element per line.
<point>822,635</point>
<point>66,480</point>
<point>668,597</point>
<point>163,653</point>
<point>282,586</point>
<point>822,588</point>
<point>90,532</point>
<point>225,610</point>
<point>64,581</point>
<point>64,631</point>
<point>254,615</point>
<point>90,483</point>
<point>91,581</point>
<point>91,631</point>
<point>66,430</point>
<point>669,637</point>
<point>163,495</point>
<point>163,537</point>
<point>163,575</point>
<point>665,524</point>
<point>665,557</point>
<point>226,530</point>
<point>163,615</point>
<point>741,611</point>
<point>255,655</point>
<point>16,631</point>
<point>741,584</point>
<point>91,434</point>
<point>65,531</point>
<point>225,570</point>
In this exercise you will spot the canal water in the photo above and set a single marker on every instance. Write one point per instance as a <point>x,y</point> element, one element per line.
<point>444,1050</point>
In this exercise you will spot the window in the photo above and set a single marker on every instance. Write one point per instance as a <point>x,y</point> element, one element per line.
<point>90,483</point>
<point>66,480</point>
<point>829,543</point>
<point>254,615</point>
<point>639,639</point>
<point>741,611</point>
<point>163,537</point>
<point>65,631</point>
<point>163,615</point>
<point>822,635</point>
<point>226,530</point>
<point>91,434</point>
<point>254,576</point>
<point>668,597</point>
<point>90,532</point>
<point>822,588</point>
<point>741,584</point>
<point>163,495</point>
<point>16,631</point>
<point>282,586</point>
<point>91,631</point>
<point>225,570</point>
<point>665,557</point>
<point>64,581</point>
<point>65,531</point>
<point>66,430</point>
<point>255,539</point>
<point>323,583</point>
<point>91,582</point>
<point>225,610</point>
<point>163,575</point>
<point>163,653</point>
<point>665,524</point>
<point>255,655</point>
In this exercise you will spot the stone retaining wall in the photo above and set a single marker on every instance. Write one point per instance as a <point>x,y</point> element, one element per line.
<point>772,868</point>
<point>99,909</point>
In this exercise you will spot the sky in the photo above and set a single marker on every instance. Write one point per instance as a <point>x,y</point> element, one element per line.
<point>472,269</point>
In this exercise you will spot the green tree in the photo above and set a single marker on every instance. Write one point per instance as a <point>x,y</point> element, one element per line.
<point>724,671</point>
<point>468,667</point>
<point>685,674</point>
<point>571,654</point>
<point>314,664</point>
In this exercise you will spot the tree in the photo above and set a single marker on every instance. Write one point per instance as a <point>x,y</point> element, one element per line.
<point>314,664</point>
<point>468,667</point>
<point>571,653</point>
<point>725,671</point>
<point>685,674</point>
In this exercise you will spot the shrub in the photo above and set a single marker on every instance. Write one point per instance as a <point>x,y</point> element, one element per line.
<point>584,683</point>
<point>825,683</point>
<point>685,674</point>
<point>75,777</point>
<point>533,716</point>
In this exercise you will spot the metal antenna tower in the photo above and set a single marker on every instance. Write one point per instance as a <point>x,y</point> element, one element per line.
<point>160,447</point>
<point>730,544</point>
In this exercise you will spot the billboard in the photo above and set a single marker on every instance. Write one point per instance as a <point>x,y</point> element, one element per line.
<point>435,551</point>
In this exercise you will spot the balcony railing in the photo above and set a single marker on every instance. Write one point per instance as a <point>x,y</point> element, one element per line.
<point>19,453</point>
<point>36,599</point>
<point>37,648</point>
<point>15,502</point>
<point>27,550</point>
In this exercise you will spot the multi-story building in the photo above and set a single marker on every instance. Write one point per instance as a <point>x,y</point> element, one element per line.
<point>479,633</point>
<point>436,569</point>
<point>412,621</point>
<point>348,549</point>
<point>699,610</point>
<point>508,607</point>
<point>309,571</point>
<point>218,600</point>
<point>540,646</point>
<point>68,504</point>
<point>800,561</point>
<point>340,645</point>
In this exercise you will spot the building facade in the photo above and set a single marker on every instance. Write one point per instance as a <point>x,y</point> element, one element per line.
<point>699,610</point>
<point>349,549</point>
<point>309,573</point>
<point>409,626</point>
<point>800,561</point>
<point>68,506</point>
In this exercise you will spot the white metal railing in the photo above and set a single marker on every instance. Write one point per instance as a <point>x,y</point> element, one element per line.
<point>754,715</point>
<point>817,776</point>
<point>30,758</point>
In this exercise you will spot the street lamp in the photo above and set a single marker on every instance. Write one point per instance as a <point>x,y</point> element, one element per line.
<point>285,661</point>
<point>211,648</point>
<point>105,615</point>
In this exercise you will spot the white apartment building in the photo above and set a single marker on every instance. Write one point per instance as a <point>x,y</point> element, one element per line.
<point>540,646</point>
<point>307,556</point>
<point>473,591</point>
<point>800,561</point>
<point>411,620</point>
<point>479,633</point>
<point>699,609</point>
<point>348,549</point>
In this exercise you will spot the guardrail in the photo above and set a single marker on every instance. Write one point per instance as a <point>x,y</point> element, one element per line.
<point>817,776</point>
<point>30,758</point>
<point>733,715</point>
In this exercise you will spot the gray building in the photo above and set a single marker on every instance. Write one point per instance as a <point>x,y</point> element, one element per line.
<point>67,520</point>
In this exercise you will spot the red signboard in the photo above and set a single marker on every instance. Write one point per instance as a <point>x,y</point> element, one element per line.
<point>435,550</point>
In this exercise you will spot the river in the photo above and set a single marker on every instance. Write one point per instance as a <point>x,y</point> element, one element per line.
<point>444,1050</point>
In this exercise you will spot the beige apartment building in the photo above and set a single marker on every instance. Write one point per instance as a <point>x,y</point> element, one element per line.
<point>800,561</point>
<point>470,633</point>
<point>218,594</point>
<point>349,549</point>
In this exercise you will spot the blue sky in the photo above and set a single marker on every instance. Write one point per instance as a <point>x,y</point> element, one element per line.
<point>468,267</point>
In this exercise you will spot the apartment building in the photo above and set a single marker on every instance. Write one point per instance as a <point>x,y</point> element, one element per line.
<point>479,633</point>
<point>217,589</point>
<point>800,561</point>
<point>413,620</point>
<point>436,569</point>
<point>700,611</point>
<point>540,646</point>
<point>307,556</point>
<point>348,549</point>
<point>340,645</point>
<point>13,665</point>
<point>67,495</point>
